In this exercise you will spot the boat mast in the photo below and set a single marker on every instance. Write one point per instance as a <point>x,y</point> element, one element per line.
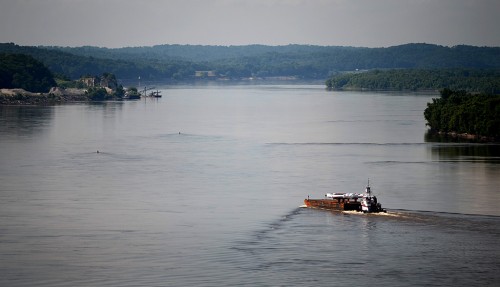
<point>368,189</point>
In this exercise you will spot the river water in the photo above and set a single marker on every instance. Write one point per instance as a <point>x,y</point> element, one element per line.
<point>203,186</point>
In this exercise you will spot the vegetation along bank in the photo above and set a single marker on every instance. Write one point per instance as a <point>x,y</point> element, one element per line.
<point>27,81</point>
<point>471,80</point>
<point>462,114</point>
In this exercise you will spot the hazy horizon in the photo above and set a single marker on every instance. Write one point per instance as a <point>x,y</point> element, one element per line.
<point>357,23</point>
<point>243,45</point>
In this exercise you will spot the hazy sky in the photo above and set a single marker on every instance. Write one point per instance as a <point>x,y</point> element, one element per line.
<point>368,23</point>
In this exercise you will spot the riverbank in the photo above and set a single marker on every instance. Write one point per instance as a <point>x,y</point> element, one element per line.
<point>466,136</point>
<point>439,136</point>
<point>54,96</point>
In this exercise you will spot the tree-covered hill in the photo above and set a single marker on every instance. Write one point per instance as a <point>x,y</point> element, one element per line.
<point>75,66</point>
<point>472,80</point>
<point>165,62</point>
<point>25,72</point>
<point>465,113</point>
<point>335,57</point>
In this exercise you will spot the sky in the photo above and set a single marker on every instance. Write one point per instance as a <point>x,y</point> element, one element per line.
<point>358,23</point>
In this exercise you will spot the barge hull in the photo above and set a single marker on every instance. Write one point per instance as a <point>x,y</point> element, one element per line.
<point>332,204</point>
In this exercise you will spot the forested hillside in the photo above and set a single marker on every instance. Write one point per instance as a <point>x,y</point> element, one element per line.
<point>464,113</point>
<point>472,80</point>
<point>180,62</point>
<point>25,72</point>
<point>74,66</point>
<point>337,58</point>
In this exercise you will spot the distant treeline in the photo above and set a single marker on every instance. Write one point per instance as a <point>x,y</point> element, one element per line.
<point>25,72</point>
<point>473,80</point>
<point>464,113</point>
<point>180,62</point>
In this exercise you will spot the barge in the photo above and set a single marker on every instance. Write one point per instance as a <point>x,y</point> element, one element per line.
<point>364,202</point>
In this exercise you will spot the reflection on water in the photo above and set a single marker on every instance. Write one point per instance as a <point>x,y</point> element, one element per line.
<point>468,152</point>
<point>455,149</point>
<point>24,120</point>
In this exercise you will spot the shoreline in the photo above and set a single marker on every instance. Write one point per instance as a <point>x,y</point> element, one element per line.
<point>464,136</point>
<point>356,89</point>
<point>21,97</point>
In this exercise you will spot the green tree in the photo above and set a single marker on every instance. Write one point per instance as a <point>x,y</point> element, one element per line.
<point>25,72</point>
<point>97,94</point>
<point>120,92</point>
<point>462,112</point>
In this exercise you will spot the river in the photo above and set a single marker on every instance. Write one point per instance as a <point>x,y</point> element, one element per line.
<point>203,187</point>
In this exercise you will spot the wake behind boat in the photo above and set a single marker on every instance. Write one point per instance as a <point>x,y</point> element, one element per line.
<point>364,202</point>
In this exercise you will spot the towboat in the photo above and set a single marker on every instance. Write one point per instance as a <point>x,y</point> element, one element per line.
<point>363,202</point>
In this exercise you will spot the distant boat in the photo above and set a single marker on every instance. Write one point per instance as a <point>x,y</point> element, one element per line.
<point>155,94</point>
<point>152,94</point>
<point>131,95</point>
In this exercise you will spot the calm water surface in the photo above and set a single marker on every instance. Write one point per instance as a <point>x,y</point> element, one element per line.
<point>203,186</point>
